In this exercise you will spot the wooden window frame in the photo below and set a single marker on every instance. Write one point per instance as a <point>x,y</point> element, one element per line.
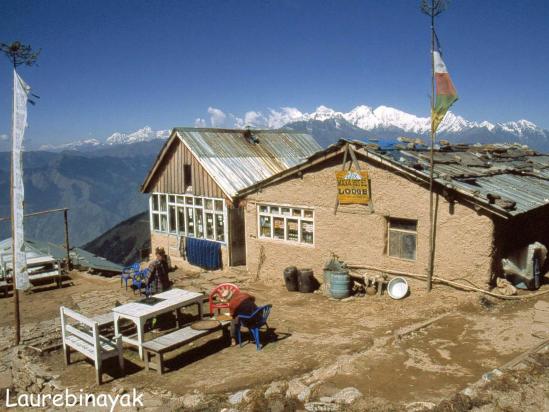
<point>289,216</point>
<point>406,231</point>
<point>197,205</point>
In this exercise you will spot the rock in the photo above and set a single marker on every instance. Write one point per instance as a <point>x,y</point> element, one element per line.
<point>321,406</point>
<point>419,406</point>
<point>347,396</point>
<point>305,394</point>
<point>295,387</point>
<point>276,388</point>
<point>326,399</point>
<point>193,399</point>
<point>238,397</point>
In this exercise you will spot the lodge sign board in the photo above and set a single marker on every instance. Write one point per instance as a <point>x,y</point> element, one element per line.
<point>352,187</point>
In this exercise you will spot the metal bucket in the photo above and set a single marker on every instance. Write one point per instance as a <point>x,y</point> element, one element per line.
<point>340,284</point>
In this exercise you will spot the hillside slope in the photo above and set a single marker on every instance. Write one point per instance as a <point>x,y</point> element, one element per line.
<point>123,243</point>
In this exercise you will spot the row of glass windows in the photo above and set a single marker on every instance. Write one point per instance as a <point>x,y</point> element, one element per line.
<point>291,224</point>
<point>191,216</point>
<point>294,224</point>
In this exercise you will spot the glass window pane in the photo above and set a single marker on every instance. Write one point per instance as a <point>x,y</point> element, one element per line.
<point>155,202</point>
<point>188,200</point>
<point>171,199</point>
<point>199,217</point>
<point>292,230</point>
<point>163,204</point>
<point>208,204</point>
<point>286,211</point>
<point>265,226</point>
<point>173,228</point>
<point>394,243</point>
<point>308,213</point>
<point>296,212</point>
<point>278,228</point>
<point>219,205</point>
<point>403,224</point>
<point>181,219</point>
<point>219,227</point>
<point>263,209</point>
<point>209,226</point>
<point>180,199</point>
<point>307,232</point>
<point>190,221</point>
<point>408,246</point>
<point>156,222</point>
<point>275,210</point>
<point>163,223</point>
<point>198,201</point>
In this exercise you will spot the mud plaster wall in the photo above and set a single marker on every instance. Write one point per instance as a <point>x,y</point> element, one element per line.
<point>518,233</point>
<point>169,243</point>
<point>464,237</point>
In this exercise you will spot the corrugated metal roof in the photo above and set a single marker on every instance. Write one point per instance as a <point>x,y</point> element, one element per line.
<point>513,179</point>
<point>236,162</point>
<point>85,259</point>
<point>33,249</point>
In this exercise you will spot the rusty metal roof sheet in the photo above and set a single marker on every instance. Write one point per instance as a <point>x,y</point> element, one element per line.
<point>235,161</point>
<point>512,179</point>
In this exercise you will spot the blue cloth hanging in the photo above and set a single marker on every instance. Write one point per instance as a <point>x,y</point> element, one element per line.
<point>203,253</point>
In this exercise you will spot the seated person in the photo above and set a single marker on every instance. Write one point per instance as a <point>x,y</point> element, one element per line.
<point>241,303</point>
<point>158,275</point>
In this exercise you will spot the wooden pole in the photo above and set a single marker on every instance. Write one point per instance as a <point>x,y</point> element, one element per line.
<point>43,212</point>
<point>14,276</point>
<point>431,262</point>
<point>65,216</point>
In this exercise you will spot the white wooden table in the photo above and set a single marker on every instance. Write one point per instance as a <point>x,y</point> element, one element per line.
<point>139,313</point>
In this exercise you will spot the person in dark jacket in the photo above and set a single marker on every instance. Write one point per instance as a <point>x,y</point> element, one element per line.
<point>241,303</point>
<point>158,272</point>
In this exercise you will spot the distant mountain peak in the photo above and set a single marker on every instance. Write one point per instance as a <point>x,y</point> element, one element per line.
<point>144,134</point>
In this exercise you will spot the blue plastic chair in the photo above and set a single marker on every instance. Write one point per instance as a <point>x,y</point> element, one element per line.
<point>128,273</point>
<point>254,322</point>
<point>139,280</point>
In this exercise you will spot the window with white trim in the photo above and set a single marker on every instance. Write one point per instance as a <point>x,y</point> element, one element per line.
<point>402,238</point>
<point>189,215</point>
<point>291,224</point>
<point>159,215</point>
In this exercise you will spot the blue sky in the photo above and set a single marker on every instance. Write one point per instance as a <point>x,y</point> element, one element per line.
<point>118,65</point>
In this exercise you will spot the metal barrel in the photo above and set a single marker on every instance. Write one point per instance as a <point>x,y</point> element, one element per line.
<point>340,284</point>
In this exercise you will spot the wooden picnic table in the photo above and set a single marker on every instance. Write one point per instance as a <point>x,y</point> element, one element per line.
<point>171,301</point>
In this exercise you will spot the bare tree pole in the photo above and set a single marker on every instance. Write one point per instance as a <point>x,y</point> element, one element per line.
<point>432,8</point>
<point>19,54</point>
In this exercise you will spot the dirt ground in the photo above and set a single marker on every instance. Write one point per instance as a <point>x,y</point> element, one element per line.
<point>336,344</point>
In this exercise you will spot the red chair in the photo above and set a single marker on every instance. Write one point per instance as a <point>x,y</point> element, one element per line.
<point>221,295</point>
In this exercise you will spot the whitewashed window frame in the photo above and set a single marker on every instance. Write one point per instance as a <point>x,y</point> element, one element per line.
<point>300,219</point>
<point>180,202</point>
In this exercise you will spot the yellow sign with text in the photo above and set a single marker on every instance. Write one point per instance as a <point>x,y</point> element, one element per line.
<point>352,187</point>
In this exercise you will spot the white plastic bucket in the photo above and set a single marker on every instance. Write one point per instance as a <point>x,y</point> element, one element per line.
<point>397,288</point>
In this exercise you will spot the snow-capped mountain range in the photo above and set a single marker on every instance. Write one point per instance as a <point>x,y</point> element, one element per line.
<point>327,125</point>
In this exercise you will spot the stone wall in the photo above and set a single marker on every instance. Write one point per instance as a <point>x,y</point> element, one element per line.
<point>464,237</point>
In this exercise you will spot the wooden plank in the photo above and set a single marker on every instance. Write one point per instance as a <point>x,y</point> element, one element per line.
<point>87,337</point>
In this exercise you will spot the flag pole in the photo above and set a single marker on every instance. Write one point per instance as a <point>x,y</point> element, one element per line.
<point>431,158</point>
<point>15,290</point>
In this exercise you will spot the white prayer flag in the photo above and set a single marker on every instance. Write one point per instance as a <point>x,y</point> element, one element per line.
<point>21,91</point>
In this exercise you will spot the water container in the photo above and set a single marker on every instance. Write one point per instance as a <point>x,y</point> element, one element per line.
<point>290,279</point>
<point>340,285</point>
<point>307,281</point>
<point>333,266</point>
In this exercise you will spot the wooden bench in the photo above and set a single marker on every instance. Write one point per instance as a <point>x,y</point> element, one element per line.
<point>83,336</point>
<point>174,340</point>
